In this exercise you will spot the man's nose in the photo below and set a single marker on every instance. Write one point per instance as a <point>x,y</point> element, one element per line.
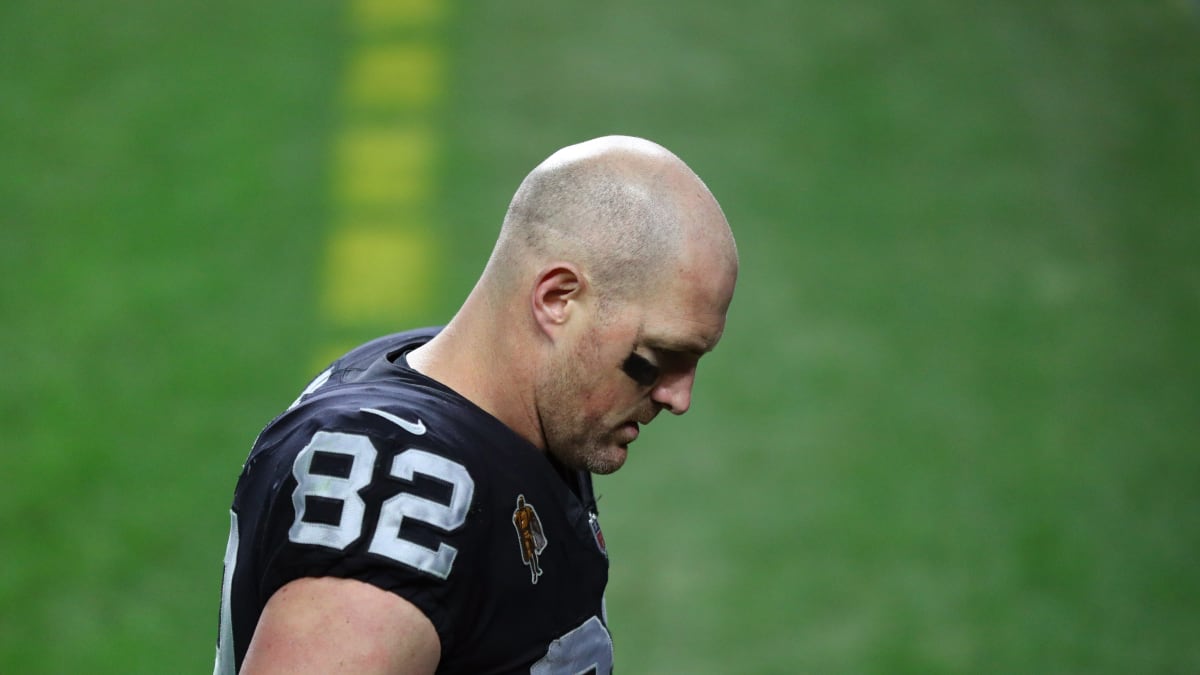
<point>674,391</point>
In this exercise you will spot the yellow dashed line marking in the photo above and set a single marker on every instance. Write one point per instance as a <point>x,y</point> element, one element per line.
<point>394,76</point>
<point>373,14</point>
<point>384,167</point>
<point>377,273</point>
<point>382,254</point>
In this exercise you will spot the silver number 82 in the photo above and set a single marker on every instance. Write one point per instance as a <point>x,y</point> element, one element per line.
<point>386,540</point>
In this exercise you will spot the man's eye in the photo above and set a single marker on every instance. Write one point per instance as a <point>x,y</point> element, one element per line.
<point>641,370</point>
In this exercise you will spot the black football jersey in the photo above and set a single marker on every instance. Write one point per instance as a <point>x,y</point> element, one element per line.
<point>380,474</point>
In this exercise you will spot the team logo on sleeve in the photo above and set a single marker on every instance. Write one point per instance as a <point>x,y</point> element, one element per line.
<point>530,536</point>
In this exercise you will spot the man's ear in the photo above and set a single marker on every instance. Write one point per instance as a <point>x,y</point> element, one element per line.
<point>556,293</point>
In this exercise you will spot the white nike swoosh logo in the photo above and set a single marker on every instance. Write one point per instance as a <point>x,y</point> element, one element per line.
<point>415,428</point>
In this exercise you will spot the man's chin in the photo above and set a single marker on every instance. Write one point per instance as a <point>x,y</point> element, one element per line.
<point>609,460</point>
<point>597,459</point>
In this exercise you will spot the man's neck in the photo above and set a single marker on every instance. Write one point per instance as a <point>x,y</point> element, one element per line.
<point>481,366</point>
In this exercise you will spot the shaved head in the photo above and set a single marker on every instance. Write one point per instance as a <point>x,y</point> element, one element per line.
<point>622,208</point>
<point>611,276</point>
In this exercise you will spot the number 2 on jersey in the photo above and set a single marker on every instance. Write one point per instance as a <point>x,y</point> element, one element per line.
<point>386,540</point>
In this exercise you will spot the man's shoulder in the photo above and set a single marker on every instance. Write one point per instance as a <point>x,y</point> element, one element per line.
<point>372,392</point>
<point>394,413</point>
<point>381,346</point>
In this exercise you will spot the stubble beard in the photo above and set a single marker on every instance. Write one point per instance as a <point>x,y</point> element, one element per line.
<point>569,436</point>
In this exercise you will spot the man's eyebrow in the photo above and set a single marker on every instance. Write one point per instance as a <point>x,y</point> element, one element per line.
<point>694,348</point>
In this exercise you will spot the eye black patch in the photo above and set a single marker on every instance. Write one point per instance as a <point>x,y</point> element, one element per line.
<point>640,370</point>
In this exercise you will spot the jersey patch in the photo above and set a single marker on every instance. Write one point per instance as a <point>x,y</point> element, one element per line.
<point>530,536</point>
<point>594,523</point>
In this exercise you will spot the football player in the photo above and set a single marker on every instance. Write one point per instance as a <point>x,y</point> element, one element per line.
<point>426,505</point>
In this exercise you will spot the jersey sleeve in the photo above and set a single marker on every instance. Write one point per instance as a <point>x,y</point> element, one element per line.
<point>372,495</point>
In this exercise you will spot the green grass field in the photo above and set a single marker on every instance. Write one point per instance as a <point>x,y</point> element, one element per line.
<point>954,426</point>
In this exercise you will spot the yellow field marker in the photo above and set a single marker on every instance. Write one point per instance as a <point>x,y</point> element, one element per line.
<point>369,15</point>
<point>390,76</point>
<point>381,255</point>
<point>377,274</point>
<point>384,167</point>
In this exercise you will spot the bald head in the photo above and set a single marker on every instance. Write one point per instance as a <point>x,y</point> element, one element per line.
<point>611,277</point>
<point>624,209</point>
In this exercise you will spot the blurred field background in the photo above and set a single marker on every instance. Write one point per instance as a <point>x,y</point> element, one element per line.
<point>955,421</point>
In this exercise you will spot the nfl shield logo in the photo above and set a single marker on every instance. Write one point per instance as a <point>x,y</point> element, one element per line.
<point>594,522</point>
